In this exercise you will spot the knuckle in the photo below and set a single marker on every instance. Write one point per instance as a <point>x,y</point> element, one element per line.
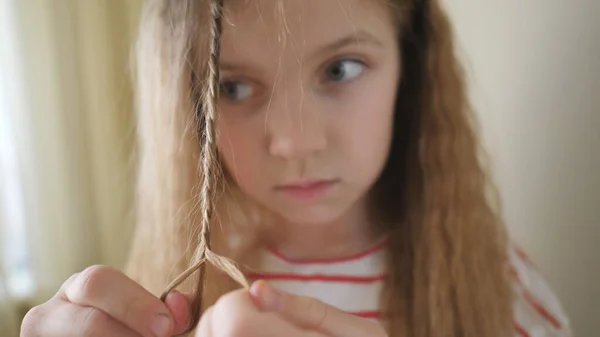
<point>316,309</point>
<point>307,312</point>
<point>93,322</point>
<point>31,321</point>
<point>305,304</point>
<point>89,282</point>
<point>129,311</point>
<point>69,281</point>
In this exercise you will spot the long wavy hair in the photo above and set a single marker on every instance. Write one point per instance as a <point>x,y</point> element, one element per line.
<point>447,243</point>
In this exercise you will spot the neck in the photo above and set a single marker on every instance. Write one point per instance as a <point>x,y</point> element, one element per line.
<point>350,233</point>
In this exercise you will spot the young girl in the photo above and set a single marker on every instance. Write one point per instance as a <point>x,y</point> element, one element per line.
<point>338,164</point>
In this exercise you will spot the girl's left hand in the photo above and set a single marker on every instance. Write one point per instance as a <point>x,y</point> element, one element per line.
<point>266,311</point>
<point>314,315</point>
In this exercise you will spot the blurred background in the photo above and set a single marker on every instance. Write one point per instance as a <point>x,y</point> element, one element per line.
<point>67,138</point>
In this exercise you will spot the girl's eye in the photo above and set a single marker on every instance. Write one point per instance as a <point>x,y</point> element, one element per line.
<point>236,90</point>
<point>344,70</point>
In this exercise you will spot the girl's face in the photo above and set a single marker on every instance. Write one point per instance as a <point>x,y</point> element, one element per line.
<point>307,102</point>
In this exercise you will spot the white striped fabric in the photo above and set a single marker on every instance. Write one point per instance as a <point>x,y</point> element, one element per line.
<point>537,310</point>
<point>354,284</point>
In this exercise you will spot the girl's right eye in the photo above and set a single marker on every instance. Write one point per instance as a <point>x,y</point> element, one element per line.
<point>236,90</point>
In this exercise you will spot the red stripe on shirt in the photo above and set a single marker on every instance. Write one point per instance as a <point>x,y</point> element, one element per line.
<point>368,314</point>
<point>520,330</point>
<point>545,313</point>
<point>316,277</point>
<point>357,256</point>
<point>541,309</point>
<point>523,256</point>
<point>513,272</point>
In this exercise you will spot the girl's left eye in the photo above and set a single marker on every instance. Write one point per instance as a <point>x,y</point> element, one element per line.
<point>344,70</point>
<point>236,90</point>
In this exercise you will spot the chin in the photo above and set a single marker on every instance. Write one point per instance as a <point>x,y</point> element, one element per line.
<point>312,216</point>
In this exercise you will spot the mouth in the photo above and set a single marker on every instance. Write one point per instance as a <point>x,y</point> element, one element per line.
<point>306,190</point>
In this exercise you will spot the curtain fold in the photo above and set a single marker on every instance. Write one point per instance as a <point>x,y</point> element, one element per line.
<point>67,144</point>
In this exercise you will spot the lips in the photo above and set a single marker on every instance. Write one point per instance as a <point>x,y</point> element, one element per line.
<point>307,189</point>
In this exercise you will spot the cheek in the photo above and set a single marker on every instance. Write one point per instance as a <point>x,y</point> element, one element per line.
<point>240,153</point>
<point>367,133</point>
<point>370,143</point>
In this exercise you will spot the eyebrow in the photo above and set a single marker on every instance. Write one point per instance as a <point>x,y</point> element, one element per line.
<point>357,38</point>
<point>224,66</point>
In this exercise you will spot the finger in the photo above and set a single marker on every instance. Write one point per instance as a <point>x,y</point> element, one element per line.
<point>218,323</point>
<point>179,305</point>
<point>312,314</point>
<point>274,325</point>
<point>122,299</point>
<point>59,318</point>
<point>66,285</point>
<point>234,314</point>
<point>205,326</point>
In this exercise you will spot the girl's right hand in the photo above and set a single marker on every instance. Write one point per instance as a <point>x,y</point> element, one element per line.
<point>102,302</point>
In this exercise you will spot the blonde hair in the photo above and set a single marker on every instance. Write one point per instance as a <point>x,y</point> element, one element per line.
<point>447,244</point>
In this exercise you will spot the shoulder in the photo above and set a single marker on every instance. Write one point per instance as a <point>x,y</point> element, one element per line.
<point>537,309</point>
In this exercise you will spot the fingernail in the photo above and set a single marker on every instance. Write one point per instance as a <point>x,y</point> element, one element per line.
<point>161,325</point>
<point>270,297</point>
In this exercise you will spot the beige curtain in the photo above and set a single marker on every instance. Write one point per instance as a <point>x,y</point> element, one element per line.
<point>67,144</point>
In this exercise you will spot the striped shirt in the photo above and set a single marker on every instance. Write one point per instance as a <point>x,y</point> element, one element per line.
<point>354,284</point>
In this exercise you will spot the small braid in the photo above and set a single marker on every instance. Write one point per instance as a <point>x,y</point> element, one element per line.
<point>209,165</point>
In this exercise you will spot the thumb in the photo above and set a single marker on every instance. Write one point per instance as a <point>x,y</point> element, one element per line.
<point>179,304</point>
<point>312,314</point>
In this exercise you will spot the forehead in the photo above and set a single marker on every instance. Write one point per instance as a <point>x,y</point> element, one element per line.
<point>299,25</point>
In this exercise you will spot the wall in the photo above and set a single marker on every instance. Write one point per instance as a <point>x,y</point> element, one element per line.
<point>74,123</point>
<point>66,99</point>
<point>104,46</point>
<point>535,79</point>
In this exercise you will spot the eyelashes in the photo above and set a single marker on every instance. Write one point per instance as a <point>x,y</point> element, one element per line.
<point>344,70</point>
<point>236,91</point>
<point>335,74</point>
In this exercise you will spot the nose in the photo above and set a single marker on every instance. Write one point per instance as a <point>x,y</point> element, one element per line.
<point>295,128</point>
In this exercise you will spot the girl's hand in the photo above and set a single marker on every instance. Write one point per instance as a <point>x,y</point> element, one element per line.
<point>103,302</point>
<point>266,312</point>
